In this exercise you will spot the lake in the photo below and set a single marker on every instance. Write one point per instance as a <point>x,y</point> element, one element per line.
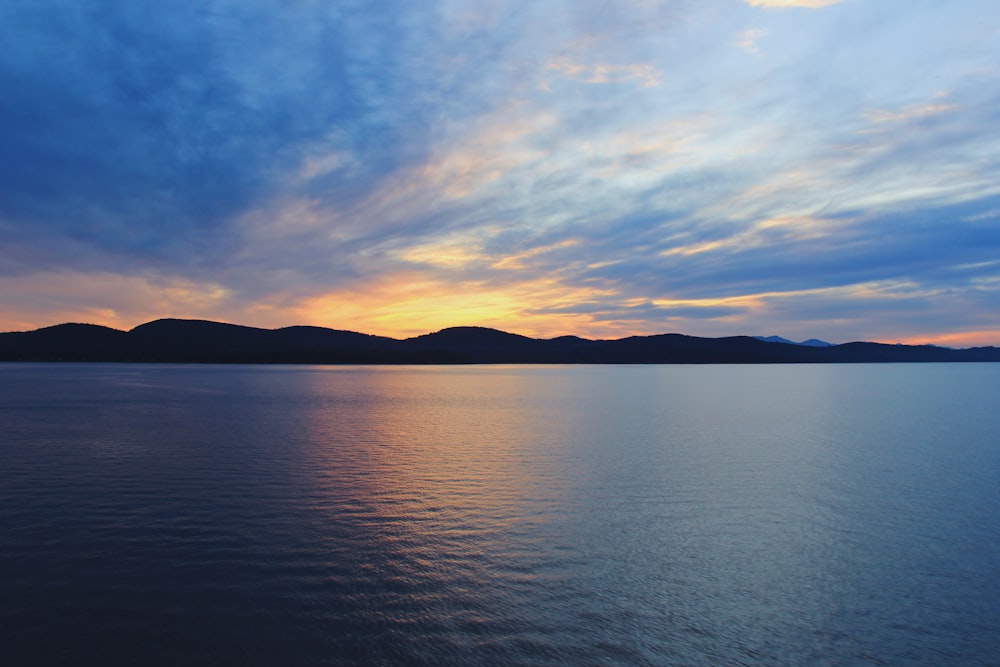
<point>500,515</point>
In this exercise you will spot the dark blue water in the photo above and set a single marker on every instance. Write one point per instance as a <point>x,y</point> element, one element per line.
<point>647,515</point>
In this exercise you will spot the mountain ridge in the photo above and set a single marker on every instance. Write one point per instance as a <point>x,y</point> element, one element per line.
<point>171,340</point>
<point>811,342</point>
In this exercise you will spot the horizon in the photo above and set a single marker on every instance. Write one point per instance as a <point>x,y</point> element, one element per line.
<point>802,168</point>
<point>480,326</point>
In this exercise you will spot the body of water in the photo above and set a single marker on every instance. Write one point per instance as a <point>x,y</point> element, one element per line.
<point>500,515</point>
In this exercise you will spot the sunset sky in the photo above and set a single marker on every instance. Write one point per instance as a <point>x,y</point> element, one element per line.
<point>806,168</point>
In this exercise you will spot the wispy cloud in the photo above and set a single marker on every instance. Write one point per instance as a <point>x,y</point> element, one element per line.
<point>775,4</point>
<point>935,107</point>
<point>641,73</point>
<point>747,39</point>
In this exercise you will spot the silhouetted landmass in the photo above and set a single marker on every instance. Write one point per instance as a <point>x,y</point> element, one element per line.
<point>812,342</point>
<point>198,341</point>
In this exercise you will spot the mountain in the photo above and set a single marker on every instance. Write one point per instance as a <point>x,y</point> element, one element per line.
<point>66,342</point>
<point>812,342</point>
<point>815,342</point>
<point>202,341</point>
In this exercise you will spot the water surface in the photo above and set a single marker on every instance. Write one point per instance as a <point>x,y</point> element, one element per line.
<point>636,515</point>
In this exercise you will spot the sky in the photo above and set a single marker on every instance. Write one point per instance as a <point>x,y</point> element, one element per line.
<point>805,168</point>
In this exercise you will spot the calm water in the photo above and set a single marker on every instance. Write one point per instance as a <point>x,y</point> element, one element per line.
<point>645,515</point>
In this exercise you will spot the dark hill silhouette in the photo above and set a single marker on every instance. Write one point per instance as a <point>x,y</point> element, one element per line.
<point>216,342</point>
<point>476,345</point>
<point>66,342</point>
<point>679,349</point>
<point>201,341</point>
<point>470,336</point>
<point>321,337</point>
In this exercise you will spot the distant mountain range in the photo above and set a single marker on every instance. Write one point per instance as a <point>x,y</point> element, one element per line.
<point>199,341</point>
<point>812,342</point>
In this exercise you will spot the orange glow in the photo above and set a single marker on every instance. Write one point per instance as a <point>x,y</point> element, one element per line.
<point>956,339</point>
<point>410,304</point>
<point>109,299</point>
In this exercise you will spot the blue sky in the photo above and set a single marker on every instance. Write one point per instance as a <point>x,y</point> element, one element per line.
<point>711,167</point>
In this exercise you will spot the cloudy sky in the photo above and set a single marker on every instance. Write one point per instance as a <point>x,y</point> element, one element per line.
<point>825,168</point>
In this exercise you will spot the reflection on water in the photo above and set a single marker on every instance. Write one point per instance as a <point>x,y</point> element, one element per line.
<point>500,515</point>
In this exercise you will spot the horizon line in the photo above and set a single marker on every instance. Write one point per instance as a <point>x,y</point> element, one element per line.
<point>480,326</point>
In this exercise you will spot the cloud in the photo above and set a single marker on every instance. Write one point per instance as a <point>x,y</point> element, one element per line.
<point>133,124</point>
<point>410,303</point>
<point>912,112</point>
<point>644,74</point>
<point>592,168</point>
<point>115,300</point>
<point>777,4</point>
<point>747,39</point>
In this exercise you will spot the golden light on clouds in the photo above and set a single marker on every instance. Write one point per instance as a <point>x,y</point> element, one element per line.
<point>498,144</point>
<point>912,112</point>
<point>518,260</point>
<point>409,304</point>
<point>455,254</point>
<point>799,228</point>
<point>644,74</point>
<point>109,299</point>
